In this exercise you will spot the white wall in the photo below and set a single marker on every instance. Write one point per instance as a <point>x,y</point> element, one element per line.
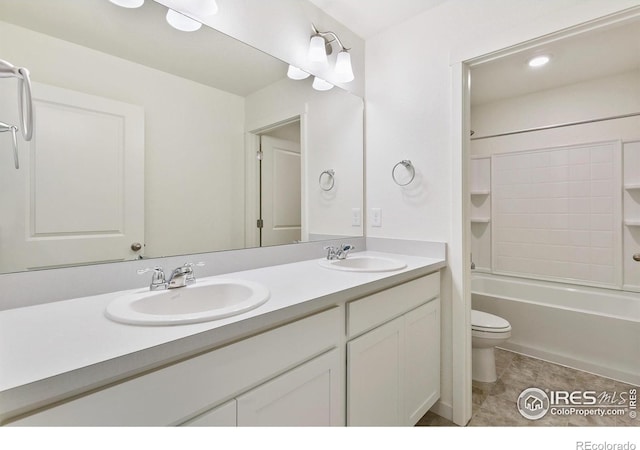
<point>332,138</point>
<point>179,218</point>
<point>409,116</point>
<point>602,97</point>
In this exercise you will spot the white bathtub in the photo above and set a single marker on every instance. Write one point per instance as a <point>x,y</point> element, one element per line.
<point>592,329</point>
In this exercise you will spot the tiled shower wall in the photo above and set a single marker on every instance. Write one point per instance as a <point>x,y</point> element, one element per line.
<point>556,214</point>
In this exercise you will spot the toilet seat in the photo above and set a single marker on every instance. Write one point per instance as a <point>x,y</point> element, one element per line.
<point>488,323</point>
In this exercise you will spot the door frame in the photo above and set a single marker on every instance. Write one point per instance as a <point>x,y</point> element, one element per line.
<point>460,246</point>
<point>252,171</point>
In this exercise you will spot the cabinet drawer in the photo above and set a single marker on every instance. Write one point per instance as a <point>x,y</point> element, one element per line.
<point>376,309</point>
<point>170,395</point>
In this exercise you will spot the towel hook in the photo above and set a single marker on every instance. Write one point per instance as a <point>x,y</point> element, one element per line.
<point>407,165</point>
<point>6,127</point>
<point>330,173</point>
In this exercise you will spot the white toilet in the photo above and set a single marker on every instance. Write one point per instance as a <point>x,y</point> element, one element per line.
<point>487,331</point>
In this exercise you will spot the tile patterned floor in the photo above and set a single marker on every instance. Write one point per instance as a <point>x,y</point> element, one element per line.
<point>494,404</point>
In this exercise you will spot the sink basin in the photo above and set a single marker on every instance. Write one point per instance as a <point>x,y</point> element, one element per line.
<point>200,302</point>
<point>364,264</point>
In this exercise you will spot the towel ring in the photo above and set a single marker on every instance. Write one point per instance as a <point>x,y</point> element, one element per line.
<point>330,173</point>
<point>407,165</point>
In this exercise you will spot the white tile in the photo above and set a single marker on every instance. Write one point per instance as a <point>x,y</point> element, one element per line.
<point>582,238</point>
<point>579,222</point>
<point>602,256</point>
<point>602,171</point>
<point>579,271</point>
<point>601,222</point>
<point>601,239</point>
<point>602,274</point>
<point>601,154</point>
<point>580,205</point>
<point>579,189</point>
<point>580,172</point>
<point>602,188</point>
<point>579,156</point>
<point>602,205</point>
<point>559,158</point>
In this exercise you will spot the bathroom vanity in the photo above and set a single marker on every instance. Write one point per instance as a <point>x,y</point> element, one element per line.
<point>329,347</point>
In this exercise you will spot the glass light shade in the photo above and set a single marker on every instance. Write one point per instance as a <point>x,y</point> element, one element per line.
<point>321,85</point>
<point>317,51</point>
<point>128,3</point>
<point>344,72</point>
<point>296,74</point>
<point>181,22</point>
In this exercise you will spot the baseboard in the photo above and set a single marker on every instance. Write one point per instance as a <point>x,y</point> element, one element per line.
<point>443,410</point>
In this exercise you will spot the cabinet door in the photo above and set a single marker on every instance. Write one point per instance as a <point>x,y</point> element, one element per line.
<point>422,360</point>
<point>374,377</point>
<point>222,416</point>
<point>309,395</point>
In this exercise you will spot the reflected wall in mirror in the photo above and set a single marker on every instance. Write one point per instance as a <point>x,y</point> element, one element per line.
<point>145,134</point>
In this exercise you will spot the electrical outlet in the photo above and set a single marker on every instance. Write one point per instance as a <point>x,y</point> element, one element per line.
<point>376,217</point>
<point>356,219</point>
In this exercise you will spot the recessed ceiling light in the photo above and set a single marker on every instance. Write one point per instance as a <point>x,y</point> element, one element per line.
<point>539,61</point>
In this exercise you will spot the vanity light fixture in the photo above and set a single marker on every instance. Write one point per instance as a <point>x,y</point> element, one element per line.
<point>181,22</point>
<point>320,46</point>
<point>539,61</point>
<point>296,74</point>
<point>199,8</point>
<point>321,85</point>
<point>128,3</point>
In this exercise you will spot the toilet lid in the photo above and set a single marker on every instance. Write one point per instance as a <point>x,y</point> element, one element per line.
<point>488,322</point>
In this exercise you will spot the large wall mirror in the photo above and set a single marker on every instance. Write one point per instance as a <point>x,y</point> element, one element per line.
<point>181,142</point>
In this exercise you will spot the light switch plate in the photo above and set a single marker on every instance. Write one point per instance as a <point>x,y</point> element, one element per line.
<point>376,217</point>
<point>356,217</point>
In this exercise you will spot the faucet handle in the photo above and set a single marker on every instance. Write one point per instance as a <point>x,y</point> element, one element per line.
<point>331,251</point>
<point>191,276</point>
<point>158,279</point>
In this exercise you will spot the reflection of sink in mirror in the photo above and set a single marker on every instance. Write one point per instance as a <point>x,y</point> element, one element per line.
<point>364,264</point>
<point>201,302</point>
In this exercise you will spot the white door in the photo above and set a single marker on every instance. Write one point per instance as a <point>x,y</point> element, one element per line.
<point>309,395</point>
<point>374,377</point>
<point>78,196</point>
<point>281,191</point>
<point>422,360</point>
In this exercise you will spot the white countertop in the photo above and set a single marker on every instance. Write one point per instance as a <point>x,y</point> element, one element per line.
<point>53,350</point>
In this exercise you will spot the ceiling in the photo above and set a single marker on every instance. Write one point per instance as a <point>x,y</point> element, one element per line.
<point>369,17</point>
<point>591,55</point>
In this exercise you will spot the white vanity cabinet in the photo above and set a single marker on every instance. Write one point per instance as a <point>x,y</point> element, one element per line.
<point>280,369</point>
<point>309,395</point>
<point>393,358</point>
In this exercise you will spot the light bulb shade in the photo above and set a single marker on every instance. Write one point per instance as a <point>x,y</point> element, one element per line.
<point>182,22</point>
<point>128,3</point>
<point>344,72</point>
<point>317,51</point>
<point>296,74</point>
<point>321,85</point>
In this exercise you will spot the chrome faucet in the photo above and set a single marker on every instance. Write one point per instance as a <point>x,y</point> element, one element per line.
<point>339,252</point>
<point>180,277</point>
